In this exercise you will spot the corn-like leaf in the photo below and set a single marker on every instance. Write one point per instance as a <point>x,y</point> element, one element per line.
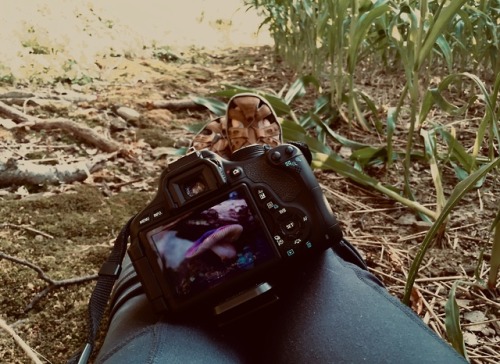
<point>277,103</point>
<point>430,149</point>
<point>369,155</point>
<point>370,104</point>
<point>459,172</point>
<point>456,195</point>
<point>298,88</point>
<point>452,322</point>
<point>361,27</point>
<point>446,51</point>
<point>436,29</point>
<point>294,132</point>
<point>495,253</point>
<point>391,126</point>
<point>215,106</point>
<point>447,106</point>
<point>337,164</point>
<point>334,135</point>
<point>457,151</point>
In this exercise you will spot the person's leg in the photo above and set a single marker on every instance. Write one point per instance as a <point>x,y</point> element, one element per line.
<point>329,312</point>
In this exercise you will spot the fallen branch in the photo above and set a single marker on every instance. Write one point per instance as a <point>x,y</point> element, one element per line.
<point>31,354</point>
<point>29,228</point>
<point>21,172</point>
<point>80,132</point>
<point>19,97</point>
<point>175,105</point>
<point>53,284</point>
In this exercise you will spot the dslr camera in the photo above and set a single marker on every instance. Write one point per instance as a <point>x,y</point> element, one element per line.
<point>218,231</point>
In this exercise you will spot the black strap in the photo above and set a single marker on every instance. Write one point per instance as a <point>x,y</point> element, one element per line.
<point>108,274</point>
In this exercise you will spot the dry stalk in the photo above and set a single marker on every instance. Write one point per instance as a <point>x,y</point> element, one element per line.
<point>31,354</point>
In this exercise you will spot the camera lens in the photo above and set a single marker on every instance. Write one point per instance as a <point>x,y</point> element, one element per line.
<point>195,188</point>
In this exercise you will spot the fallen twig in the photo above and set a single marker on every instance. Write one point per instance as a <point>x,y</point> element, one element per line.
<point>175,105</point>
<point>81,132</point>
<point>29,228</point>
<point>53,284</point>
<point>31,354</point>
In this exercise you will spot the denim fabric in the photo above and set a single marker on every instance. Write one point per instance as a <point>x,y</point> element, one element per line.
<point>331,311</point>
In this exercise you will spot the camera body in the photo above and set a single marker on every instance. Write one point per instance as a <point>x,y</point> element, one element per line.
<point>219,230</point>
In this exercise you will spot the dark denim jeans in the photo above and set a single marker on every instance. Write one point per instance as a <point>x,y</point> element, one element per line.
<point>332,312</point>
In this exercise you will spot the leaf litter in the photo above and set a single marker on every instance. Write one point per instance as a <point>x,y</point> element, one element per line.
<point>66,229</point>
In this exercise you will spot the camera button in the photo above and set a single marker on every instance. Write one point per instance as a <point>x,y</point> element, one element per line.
<point>276,156</point>
<point>272,206</point>
<point>261,194</point>
<point>289,150</point>
<point>279,240</point>
<point>156,214</point>
<point>291,226</point>
<point>235,172</point>
<point>144,220</point>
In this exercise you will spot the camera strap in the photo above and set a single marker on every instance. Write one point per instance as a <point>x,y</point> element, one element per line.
<point>98,302</point>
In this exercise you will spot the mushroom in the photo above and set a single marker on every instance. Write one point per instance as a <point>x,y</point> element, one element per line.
<point>219,240</point>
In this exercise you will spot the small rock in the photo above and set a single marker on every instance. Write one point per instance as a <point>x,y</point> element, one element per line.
<point>117,124</point>
<point>128,114</point>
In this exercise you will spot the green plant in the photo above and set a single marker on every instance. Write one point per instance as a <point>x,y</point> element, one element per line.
<point>473,170</point>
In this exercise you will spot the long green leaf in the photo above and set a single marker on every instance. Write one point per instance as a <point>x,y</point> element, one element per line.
<point>452,322</point>
<point>216,106</point>
<point>325,158</point>
<point>456,195</point>
<point>277,103</point>
<point>294,132</point>
<point>430,149</point>
<point>298,88</point>
<point>362,24</point>
<point>436,29</point>
<point>391,126</point>
<point>495,254</point>
<point>457,151</point>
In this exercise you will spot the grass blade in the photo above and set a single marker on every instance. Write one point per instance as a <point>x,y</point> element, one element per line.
<point>430,150</point>
<point>391,126</point>
<point>495,254</point>
<point>457,151</point>
<point>456,195</point>
<point>452,322</point>
<point>298,88</point>
<point>215,106</point>
<point>277,103</point>
<point>436,29</point>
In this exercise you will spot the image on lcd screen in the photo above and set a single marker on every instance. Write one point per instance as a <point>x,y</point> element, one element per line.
<point>205,248</point>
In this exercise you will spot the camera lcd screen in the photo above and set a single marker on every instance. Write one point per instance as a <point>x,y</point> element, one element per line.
<point>212,245</point>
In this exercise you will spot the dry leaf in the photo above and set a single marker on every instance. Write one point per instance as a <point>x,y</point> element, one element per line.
<point>416,300</point>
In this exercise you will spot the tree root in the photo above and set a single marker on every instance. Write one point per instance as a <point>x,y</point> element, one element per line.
<point>80,132</point>
<point>53,284</point>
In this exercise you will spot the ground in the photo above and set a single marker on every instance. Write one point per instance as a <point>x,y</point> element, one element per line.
<point>67,230</point>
